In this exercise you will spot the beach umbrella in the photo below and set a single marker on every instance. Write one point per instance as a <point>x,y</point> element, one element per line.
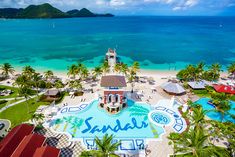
<point>173,88</point>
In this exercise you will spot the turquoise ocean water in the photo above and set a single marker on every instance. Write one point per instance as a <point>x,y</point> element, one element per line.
<point>161,43</point>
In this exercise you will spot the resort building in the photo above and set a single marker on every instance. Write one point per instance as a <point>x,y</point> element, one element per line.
<point>22,142</point>
<point>197,85</point>
<point>113,98</point>
<point>224,89</point>
<point>52,94</point>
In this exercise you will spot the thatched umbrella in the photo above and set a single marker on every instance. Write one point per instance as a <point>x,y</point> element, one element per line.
<point>173,88</point>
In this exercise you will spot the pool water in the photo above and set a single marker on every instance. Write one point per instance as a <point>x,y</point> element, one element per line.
<point>215,115</point>
<point>160,118</point>
<point>131,122</point>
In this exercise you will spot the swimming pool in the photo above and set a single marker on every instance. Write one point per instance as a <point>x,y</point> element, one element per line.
<point>215,115</point>
<point>132,125</point>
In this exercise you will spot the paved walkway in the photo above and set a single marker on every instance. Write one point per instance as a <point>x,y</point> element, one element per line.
<point>161,148</point>
<point>8,99</point>
<point>23,100</point>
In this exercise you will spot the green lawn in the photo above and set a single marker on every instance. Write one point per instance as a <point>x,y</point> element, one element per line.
<point>202,93</point>
<point>14,90</point>
<point>8,102</point>
<point>3,103</point>
<point>19,113</point>
<point>205,93</point>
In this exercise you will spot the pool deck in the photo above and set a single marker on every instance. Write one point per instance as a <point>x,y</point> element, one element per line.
<point>157,148</point>
<point>161,148</point>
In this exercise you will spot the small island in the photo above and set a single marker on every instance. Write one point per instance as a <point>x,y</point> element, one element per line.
<point>46,11</point>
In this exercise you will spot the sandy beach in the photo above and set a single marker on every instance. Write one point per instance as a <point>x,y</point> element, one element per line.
<point>158,75</point>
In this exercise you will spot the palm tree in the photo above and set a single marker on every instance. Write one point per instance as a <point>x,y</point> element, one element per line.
<point>21,81</point>
<point>84,73</point>
<point>6,69</point>
<point>25,92</point>
<point>200,67</point>
<point>105,145</point>
<point>80,67</point>
<point>192,73</point>
<point>75,84</point>
<point>105,67</point>
<point>58,84</point>
<point>28,71</point>
<point>48,74</point>
<point>215,69</point>
<point>37,117</point>
<point>197,117</point>
<point>73,70</point>
<point>174,139</point>
<point>223,109</point>
<point>132,73</point>
<point>222,103</point>
<point>131,78</point>
<point>231,69</point>
<point>124,69</point>
<point>97,72</point>
<point>195,143</point>
<point>136,66</point>
<point>117,67</point>
<point>49,85</point>
<point>182,75</point>
<point>36,81</point>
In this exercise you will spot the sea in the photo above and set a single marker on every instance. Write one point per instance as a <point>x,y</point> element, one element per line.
<point>156,42</point>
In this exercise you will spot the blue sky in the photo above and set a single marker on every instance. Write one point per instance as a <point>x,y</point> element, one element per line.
<point>138,7</point>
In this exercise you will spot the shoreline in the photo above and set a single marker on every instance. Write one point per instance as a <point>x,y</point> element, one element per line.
<point>142,72</point>
<point>156,74</point>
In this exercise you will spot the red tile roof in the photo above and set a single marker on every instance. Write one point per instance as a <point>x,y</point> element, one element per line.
<point>224,89</point>
<point>28,145</point>
<point>13,139</point>
<point>47,151</point>
<point>113,81</point>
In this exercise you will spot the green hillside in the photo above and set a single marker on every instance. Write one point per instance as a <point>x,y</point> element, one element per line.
<point>41,11</point>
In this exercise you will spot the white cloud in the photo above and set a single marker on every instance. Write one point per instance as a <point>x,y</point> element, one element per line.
<point>117,2</point>
<point>176,4</point>
<point>191,3</point>
<point>177,8</point>
<point>185,4</point>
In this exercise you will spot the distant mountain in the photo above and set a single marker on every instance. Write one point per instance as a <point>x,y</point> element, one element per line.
<point>46,11</point>
<point>86,13</point>
<point>41,11</point>
<point>9,12</point>
<point>81,13</point>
